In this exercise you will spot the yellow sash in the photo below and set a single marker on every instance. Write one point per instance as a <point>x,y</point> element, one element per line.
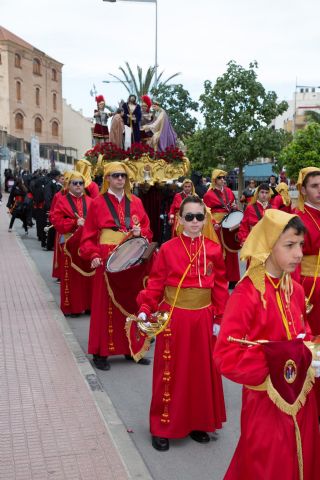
<point>111,237</point>
<point>188,298</point>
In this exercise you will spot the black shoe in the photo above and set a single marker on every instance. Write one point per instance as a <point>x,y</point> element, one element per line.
<point>198,436</point>
<point>232,285</point>
<point>159,443</point>
<point>101,362</point>
<point>75,315</point>
<point>87,312</point>
<point>142,361</point>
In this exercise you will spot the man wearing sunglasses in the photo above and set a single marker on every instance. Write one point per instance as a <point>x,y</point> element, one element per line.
<point>112,215</point>
<point>68,217</point>
<point>221,200</point>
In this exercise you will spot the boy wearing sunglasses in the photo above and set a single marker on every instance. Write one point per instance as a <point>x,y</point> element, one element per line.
<point>113,214</point>
<point>188,281</point>
<point>68,218</point>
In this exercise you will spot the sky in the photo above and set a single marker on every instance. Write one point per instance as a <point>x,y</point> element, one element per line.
<point>92,38</point>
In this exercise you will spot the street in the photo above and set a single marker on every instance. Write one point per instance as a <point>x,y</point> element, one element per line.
<point>128,386</point>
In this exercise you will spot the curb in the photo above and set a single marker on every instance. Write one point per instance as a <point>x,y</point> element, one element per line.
<point>129,455</point>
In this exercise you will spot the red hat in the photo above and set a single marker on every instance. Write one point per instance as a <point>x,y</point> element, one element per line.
<point>147,101</point>
<point>100,98</point>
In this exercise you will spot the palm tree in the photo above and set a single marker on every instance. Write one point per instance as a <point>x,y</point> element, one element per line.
<point>138,85</point>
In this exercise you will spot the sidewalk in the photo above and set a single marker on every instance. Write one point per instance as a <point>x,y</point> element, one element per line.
<point>56,422</point>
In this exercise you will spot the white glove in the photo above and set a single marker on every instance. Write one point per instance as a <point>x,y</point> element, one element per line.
<point>301,335</point>
<point>216,329</point>
<point>142,316</point>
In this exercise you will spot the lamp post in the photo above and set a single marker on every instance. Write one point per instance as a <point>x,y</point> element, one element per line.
<point>156,32</point>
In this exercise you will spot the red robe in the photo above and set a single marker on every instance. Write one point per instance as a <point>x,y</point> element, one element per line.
<point>194,387</point>
<point>174,210</point>
<point>277,202</point>
<point>220,202</point>
<point>57,251</point>
<point>267,447</point>
<point>75,288</point>
<point>107,334</point>
<point>250,218</point>
<point>311,247</point>
<point>92,190</point>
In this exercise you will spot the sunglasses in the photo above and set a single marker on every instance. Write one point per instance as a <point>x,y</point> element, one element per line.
<point>221,177</point>
<point>118,175</point>
<point>191,216</point>
<point>76,182</point>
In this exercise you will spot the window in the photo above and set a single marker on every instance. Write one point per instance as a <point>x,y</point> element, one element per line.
<point>19,121</point>
<point>17,60</point>
<point>55,129</point>
<point>38,125</point>
<point>38,96</point>
<point>54,101</point>
<point>18,91</point>
<point>36,66</point>
<point>54,74</point>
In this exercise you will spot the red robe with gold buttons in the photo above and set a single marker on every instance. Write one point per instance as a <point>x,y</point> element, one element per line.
<point>107,333</point>
<point>267,448</point>
<point>187,389</point>
<point>75,288</point>
<point>220,202</point>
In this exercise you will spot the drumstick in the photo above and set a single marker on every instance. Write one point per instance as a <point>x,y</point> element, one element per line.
<point>245,342</point>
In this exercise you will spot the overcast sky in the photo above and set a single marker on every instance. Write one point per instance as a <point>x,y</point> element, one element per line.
<point>197,38</point>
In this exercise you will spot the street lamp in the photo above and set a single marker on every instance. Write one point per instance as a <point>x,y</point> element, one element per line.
<point>156,36</point>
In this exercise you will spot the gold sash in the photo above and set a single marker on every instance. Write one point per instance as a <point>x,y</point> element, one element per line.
<point>188,298</point>
<point>111,237</point>
<point>309,265</point>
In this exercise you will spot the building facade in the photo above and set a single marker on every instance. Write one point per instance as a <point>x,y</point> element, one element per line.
<point>304,99</point>
<point>30,91</point>
<point>77,129</point>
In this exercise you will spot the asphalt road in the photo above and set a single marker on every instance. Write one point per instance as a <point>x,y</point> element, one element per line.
<point>128,385</point>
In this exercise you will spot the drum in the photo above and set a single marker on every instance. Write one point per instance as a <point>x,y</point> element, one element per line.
<point>229,229</point>
<point>127,254</point>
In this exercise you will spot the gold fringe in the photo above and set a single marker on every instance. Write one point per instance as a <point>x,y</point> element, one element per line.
<point>288,408</point>
<point>145,347</point>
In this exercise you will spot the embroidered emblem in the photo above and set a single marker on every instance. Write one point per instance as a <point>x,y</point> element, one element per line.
<point>209,268</point>
<point>135,219</point>
<point>290,371</point>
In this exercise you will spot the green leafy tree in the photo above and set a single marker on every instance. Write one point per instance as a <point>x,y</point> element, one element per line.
<point>303,151</point>
<point>312,116</point>
<point>238,112</point>
<point>178,104</point>
<point>140,84</point>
